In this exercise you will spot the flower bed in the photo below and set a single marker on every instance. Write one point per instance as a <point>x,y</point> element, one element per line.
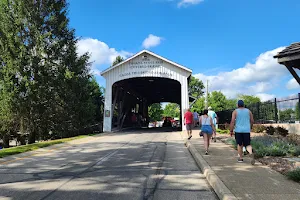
<point>271,150</point>
<point>270,146</point>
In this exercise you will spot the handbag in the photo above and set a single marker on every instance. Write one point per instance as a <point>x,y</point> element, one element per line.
<point>200,134</point>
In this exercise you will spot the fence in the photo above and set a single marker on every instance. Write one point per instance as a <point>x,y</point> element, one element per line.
<point>283,110</point>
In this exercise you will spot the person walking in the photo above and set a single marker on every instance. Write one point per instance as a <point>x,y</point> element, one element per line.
<point>196,118</point>
<point>207,129</point>
<point>214,117</point>
<point>241,123</point>
<point>188,122</point>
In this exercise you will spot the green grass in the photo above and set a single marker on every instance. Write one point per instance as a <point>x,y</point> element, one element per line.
<point>31,147</point>
<point>294,174</point>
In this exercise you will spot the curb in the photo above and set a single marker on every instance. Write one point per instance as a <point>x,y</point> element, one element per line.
<point>219,187</point>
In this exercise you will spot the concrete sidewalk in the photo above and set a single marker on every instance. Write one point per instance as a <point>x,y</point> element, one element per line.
<point>243,180</point>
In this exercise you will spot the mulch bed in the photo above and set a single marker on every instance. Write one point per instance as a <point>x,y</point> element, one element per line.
<point>278,164</point>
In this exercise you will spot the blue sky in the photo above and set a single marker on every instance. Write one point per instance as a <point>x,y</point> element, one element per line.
<point>231,43</point>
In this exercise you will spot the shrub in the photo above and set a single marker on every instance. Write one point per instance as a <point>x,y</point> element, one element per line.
<point>223,131</point>
<point>257,128</point>
<point>294,139</point>
<point>232,142</point>
<point>269,146</point>
<point>270,130</point>
<point>260,144</point>
<point>263,140</point>
<point>221,126</point>
<point>276,151</point>
<point>260,153</point>
<point>281,131</point>
<point>294,174</point>
<point>224,126</point>
<point>295,151</point>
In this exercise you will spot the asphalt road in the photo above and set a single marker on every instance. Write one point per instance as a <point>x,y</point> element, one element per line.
<point>142,166</point>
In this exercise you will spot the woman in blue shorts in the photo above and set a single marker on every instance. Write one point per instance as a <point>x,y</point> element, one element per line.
<point>207,129</point>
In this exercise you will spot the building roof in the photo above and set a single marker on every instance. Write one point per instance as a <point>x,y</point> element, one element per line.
<point>289,51</point>
<point>150,53</point>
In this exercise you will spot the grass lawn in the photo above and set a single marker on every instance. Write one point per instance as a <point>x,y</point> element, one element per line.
<point>31,147</point>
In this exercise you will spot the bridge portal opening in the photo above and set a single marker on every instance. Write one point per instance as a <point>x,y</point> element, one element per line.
<point>132,98</point>
<point>136,83</point>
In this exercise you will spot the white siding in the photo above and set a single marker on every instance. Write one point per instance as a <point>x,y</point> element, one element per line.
<point>139,67</point>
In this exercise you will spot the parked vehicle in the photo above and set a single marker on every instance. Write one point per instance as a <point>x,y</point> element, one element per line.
<point>176,123</point>
<point>159,124</point>
<point>151,125</point>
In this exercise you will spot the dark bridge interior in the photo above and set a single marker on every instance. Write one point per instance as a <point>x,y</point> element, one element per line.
<point>134,96</point>
<point>154,90</point>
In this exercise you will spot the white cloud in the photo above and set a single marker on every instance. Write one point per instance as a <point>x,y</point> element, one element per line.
<point>152,41</point>
<point>292,84</point>
<point>260,87</point>
<point>185,3</point>
<point>101,53</point>
<point>265,97</point>
<point>254,78</point>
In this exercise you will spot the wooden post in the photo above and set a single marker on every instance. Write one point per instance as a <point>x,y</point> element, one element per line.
<point>276,110</point>
<point>298,107</point>
<point>114,104</point>
<point>295,75</point>
<point>128,109</point>
<point>121,113</point>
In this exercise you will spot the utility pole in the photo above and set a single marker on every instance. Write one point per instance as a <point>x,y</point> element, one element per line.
<point>206,96</point>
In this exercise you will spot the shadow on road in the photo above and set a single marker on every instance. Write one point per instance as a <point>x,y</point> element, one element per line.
<point>125,165</point>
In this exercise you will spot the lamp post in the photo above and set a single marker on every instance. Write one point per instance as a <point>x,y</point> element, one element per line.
<point>206,96</point>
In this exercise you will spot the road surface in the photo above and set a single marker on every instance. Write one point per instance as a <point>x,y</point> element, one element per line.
<point>142,166</point>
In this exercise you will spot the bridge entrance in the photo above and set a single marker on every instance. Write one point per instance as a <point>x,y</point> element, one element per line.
<point>138,82</point>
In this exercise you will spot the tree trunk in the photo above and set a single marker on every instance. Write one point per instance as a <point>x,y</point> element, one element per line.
<point>6,141</point>
<point>22,140</point>
<point>32,137</point>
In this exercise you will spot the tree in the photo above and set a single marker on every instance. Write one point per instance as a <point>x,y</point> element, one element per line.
<point>230,104</point>
<point>297,111</point>
<point>118,60</point>
<point>172,110</point>
<point>199,105</point>
<point>45,85</point>
<point>249,100</point>
<point>155,111</point>
<point>217,100</point>
<point>195,87</point>
<point>11,46</point>
<point>97,97</point>
<point>285,115</point>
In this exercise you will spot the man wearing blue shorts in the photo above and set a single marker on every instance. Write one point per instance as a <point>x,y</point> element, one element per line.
<point>242,122</point>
